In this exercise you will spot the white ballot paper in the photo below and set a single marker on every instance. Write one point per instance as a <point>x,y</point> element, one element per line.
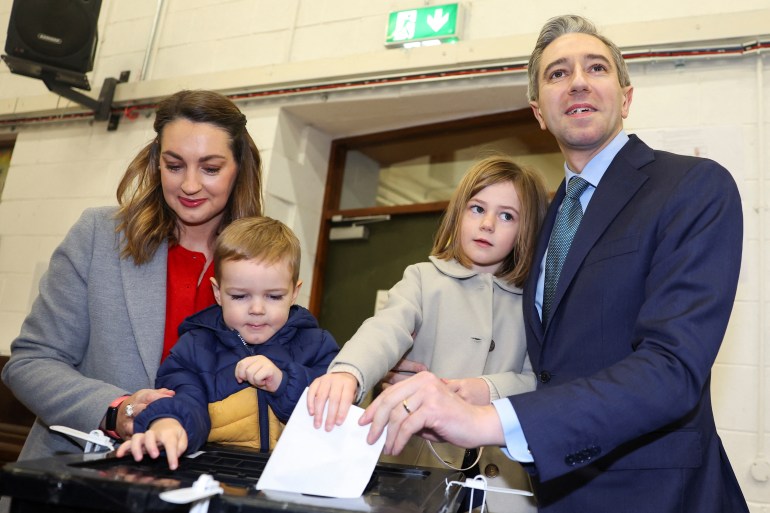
<point>337,463</point>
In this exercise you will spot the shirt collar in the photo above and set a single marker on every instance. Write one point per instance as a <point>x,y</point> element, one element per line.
<point>597,166</point>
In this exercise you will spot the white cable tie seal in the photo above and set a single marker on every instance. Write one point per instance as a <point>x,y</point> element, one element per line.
<point>478,484</point>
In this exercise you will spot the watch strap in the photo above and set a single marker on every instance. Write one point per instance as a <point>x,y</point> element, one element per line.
<point>111,419</point>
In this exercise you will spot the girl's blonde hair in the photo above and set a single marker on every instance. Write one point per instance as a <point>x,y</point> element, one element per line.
<point>532,195</point>
<point>143,218</point>
<point>262,239</point>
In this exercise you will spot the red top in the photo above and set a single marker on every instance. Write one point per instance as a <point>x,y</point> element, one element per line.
<point>184,294</point>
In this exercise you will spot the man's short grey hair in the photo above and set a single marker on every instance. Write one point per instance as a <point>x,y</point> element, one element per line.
<point>569,24</point>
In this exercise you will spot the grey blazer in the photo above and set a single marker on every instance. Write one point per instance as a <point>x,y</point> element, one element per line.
<point>95,332</point>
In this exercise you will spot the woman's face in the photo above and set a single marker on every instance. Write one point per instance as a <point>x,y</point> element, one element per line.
<point>197,172</point>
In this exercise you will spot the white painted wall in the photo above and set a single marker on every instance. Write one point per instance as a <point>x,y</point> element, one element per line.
<point>719,108</point>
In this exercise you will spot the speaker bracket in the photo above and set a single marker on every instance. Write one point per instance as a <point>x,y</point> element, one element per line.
<point>102,106</point>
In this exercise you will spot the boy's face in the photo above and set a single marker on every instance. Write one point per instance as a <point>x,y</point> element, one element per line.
<point>255,298</point>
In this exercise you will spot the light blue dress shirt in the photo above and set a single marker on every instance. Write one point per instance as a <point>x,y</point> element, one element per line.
<point>515,441</point>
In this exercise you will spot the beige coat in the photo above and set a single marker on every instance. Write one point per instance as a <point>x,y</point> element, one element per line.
<point>460,324</point>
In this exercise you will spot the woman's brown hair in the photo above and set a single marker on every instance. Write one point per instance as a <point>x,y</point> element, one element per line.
<point>144,218</point>
<point>532,195</point>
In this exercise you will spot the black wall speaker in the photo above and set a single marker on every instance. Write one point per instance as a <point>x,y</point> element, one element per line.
<point>61,33</point>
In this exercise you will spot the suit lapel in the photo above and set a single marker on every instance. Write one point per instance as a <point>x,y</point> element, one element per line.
<point>530,311</point>
<point>145,293</point>
<point>619,184</point>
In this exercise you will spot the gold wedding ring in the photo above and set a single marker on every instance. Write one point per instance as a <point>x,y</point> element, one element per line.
<point>408,411</point>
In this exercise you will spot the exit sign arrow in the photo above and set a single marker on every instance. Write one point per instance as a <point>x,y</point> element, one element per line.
<point>438,19</point>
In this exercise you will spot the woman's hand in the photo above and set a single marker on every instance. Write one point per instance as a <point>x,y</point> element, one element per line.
<point>139,400</point>
<point>166,433</point>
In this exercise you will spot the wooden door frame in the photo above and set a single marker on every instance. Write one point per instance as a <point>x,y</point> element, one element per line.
<point>335,177</point>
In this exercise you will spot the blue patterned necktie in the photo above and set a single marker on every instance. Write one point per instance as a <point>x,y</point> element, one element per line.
<point>564,229</point>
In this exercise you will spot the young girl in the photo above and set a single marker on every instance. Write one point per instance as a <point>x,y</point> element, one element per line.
<point>459,314</point>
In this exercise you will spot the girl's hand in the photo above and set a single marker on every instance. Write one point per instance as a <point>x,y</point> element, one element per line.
<point>339,389</point>
<point>164,433</point>
<point>260,371</point>
<point>404,369</point>
<point>473,390</point>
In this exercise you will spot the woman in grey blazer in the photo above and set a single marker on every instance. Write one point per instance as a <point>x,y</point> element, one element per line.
<point>95,335</point>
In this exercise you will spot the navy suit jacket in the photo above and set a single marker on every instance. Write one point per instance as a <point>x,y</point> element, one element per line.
<point>622,419</point>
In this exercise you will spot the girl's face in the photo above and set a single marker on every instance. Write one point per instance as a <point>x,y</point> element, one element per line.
<point>197,172</point>
<point>490,225</point>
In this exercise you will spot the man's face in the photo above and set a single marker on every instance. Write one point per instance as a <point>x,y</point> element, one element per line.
<point>580,100</point>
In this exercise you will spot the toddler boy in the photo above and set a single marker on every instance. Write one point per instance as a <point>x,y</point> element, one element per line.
<point>240,366</point>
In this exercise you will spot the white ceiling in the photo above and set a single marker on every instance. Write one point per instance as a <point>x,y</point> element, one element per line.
<point>343,113</point>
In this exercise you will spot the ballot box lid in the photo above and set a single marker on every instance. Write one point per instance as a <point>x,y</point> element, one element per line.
<point>101,482</point>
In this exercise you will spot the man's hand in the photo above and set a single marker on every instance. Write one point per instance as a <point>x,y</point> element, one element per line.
<point>424,405</point>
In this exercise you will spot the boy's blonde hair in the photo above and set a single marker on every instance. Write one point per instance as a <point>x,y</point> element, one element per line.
<point>532,195</point>
<point>262,239</point>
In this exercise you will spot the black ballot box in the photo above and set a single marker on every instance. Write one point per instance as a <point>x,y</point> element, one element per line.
<point>100,482</point>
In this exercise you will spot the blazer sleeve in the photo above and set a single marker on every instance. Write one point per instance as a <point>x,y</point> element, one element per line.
<point>382,340</point>
<point>53,368</point>
<point>686,302</point>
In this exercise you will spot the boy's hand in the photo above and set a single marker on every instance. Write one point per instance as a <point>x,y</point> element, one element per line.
<point>260,372</point>
<point>339,389</point>
<point>167,433</point>
<point>473,390</point>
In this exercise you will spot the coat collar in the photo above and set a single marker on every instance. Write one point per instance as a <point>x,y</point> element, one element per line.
<point>455,269</point>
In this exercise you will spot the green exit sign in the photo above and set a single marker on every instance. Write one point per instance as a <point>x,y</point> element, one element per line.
<point>426,25</point>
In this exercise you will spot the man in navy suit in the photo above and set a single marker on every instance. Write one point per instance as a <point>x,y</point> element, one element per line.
<point>621,419</point>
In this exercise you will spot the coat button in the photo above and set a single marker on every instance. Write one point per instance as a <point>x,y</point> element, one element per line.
<point>491,470</point>
<point>545,376</point>
<point>492,346</point>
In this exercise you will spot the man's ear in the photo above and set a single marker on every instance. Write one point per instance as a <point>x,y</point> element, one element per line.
<point>295,293</point>
<point>538,115</point>
<point>215,288</point>
<point>628,95</point>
